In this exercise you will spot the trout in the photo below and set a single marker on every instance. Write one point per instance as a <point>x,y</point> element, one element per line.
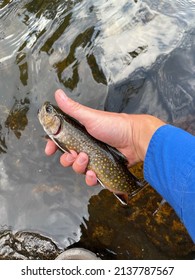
<point>107,162</point>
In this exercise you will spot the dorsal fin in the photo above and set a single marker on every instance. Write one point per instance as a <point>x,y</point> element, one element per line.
<point>118,155</point>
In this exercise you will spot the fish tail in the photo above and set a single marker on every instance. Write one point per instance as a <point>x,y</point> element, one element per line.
<point>139,186</point>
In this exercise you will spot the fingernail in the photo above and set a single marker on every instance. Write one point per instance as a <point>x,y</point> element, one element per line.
<point>81,160</point>
<point>91,178</point>
<point>70,158</point>
<point>90,175</point>
<point>48,150</point>
<point>61,94</point>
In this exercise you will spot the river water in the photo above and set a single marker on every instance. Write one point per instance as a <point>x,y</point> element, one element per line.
<point>128,56</point>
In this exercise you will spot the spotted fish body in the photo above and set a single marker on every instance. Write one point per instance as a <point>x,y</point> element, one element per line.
<point>68,135</point>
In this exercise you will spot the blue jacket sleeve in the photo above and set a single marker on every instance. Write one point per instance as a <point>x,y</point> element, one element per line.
<point>170,168</point>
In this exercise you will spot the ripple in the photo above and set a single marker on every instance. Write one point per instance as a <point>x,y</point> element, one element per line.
<point>80,46</point>
<point>183,10</point>
<point>28,30</point>
<point>132,27</point>
<point>125,29</point>
<point>12,34</point>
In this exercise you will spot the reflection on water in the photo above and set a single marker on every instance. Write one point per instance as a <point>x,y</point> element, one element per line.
<point>134,232</point>
<point>17,119</point>
<point>136,56</point>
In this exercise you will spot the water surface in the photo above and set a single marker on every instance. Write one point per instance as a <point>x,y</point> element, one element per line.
<point>132,56</point>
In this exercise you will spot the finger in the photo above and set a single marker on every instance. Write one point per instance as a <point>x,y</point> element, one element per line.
<point>75,109</point>
<point>67,159</point>
<point>50,148</point>
<point>90,178</point>
<point>81,162</point>
<point>97,122</point>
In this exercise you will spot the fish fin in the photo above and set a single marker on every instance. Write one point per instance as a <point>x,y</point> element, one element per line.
<point>45,137</point>
<point>63,149</point>
<point>101,183</point>
<point>163,201</point>
<point>122,197</point>
<point>142,183</point>
<point>118,155</point>
<point>140,186</point>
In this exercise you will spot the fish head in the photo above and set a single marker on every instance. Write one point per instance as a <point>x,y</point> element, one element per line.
<point>49,119</point>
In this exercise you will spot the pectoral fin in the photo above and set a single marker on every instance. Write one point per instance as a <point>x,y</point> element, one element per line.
<point>60,146</point>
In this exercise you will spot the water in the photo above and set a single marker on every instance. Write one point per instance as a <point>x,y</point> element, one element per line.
<point>136,56</point>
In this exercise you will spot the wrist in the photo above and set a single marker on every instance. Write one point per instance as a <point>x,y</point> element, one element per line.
<point>143,129</point>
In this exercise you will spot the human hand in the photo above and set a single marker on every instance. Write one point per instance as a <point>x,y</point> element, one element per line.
<point>130,134</point>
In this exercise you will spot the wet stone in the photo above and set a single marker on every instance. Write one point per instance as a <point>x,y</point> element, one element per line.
<point>24,245</point>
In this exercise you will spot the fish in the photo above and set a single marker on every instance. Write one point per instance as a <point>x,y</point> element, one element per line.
<point>109,165</point>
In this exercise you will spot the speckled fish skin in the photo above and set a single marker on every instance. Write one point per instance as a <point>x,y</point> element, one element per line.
<point>68,134</point>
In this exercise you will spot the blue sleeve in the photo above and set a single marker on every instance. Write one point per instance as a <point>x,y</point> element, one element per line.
<point>170,168</point>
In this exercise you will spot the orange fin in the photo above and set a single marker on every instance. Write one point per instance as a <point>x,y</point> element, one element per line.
<point>122,197</point>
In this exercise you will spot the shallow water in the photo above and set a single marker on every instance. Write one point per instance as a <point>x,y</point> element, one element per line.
<point>134,57</point>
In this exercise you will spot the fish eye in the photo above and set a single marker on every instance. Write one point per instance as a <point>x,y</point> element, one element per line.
<point>49,109</point>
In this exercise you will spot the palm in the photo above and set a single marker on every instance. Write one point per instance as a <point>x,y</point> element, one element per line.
<point>115,130</point>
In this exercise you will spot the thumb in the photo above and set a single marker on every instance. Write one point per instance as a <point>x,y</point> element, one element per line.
<point>108,127</point>
<point>83,114</point>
